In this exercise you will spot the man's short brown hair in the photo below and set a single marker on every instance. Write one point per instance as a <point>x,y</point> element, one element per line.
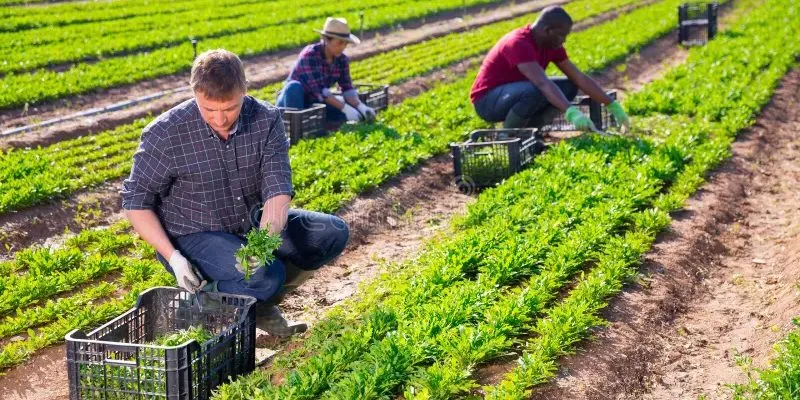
<point>218,74</point>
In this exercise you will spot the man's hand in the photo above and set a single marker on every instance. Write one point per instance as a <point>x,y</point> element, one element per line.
<point>183,272</point>
<point>351,113</point>
<point>367,112</point>
<point>619,114</point>
<point>581,122</point>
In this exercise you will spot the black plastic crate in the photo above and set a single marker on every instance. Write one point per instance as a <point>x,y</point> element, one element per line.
<point>697,23</point>
<point>301,124</point>
<point>115,361</point>
<point>491,155</point>
<point>373,95</point>
<point>597,112</point>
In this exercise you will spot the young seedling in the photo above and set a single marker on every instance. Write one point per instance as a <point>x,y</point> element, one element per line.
<point>258,251</point>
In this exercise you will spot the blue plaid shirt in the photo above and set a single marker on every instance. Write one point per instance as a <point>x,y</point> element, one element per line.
<point>197,182</point>
<point>317,76</point>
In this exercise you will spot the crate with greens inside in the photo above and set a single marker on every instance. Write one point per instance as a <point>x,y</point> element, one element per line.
<point>491,155</point>
<point>171,345</point>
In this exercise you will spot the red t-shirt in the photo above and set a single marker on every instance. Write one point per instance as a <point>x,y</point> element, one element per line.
<point>500,65</point>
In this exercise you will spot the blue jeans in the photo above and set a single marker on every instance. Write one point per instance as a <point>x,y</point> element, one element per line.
<point>293,95</point>
<point>525,99</point>
<point>310,240</point>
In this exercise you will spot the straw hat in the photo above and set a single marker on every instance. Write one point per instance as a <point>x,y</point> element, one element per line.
<point>338,28</point>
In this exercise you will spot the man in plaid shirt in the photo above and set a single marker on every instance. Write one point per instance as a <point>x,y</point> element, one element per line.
<point>318,68</point>
<point>211,169</point>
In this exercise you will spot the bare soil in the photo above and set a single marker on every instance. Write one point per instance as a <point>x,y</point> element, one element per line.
<point>261,70</point>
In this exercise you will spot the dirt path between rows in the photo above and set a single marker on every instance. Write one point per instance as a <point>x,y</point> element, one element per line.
<point>723,280</point>
<point>261,70</point>
<point>391,223</point>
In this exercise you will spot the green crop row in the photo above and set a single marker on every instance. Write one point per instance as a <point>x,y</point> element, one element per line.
<point>39,273</point>
<point>35,175</point>
<point>22,39</point>
<point>14,19</point>
<point>89,44</point>
<point>370,149</point>
<point>43,84</point>
<point>756,40</point>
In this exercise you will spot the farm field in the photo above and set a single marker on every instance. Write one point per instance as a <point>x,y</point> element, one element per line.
<point>658,264</point>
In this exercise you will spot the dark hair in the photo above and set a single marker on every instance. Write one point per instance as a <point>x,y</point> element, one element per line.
<point>218,74</point>
<point>554,16</point>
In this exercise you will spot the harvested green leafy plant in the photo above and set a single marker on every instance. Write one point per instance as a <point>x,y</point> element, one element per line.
<point>198,333</point>
<point>258,251</point>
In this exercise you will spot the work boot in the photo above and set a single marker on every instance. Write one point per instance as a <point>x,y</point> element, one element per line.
<point>269,319</point>
<point>268,315</point>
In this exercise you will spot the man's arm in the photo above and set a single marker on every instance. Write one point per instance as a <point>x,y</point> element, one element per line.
<point>276,212</point>
<point>148,226</point>
<point>149,178</point>
<point>583,82</point>
<point>346,84</point>
<point>276,179</point>
<point>534,72</point>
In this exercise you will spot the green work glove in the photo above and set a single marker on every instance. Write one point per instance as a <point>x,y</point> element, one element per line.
<point>581,122</point>
<point>619,114</point>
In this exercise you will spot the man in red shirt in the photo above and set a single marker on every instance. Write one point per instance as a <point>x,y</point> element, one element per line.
<point>512,86</point>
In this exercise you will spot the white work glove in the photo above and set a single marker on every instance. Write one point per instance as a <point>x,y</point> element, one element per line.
<point>367,112</point>
<point>184,274</point>
<point>351,113</point>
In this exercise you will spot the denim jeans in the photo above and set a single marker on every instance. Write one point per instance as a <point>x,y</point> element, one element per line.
<point>293,95</point>
<point>310,240</point>
<point>524,98</point>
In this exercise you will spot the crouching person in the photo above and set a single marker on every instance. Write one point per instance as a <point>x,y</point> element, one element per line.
<point>318,68</point>
<point>512,87</point>
<point>208,171</point>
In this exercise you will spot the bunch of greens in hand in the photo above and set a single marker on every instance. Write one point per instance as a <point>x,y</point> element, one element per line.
<point>258,251</point>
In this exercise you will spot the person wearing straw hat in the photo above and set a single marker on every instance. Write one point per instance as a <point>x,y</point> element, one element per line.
<point>318,68</point>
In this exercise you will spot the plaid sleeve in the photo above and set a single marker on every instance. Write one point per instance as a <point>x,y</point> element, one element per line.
<point>276,173</point>
<point>309,73</point>
<point>345,81</point>
<point>150,174</point>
